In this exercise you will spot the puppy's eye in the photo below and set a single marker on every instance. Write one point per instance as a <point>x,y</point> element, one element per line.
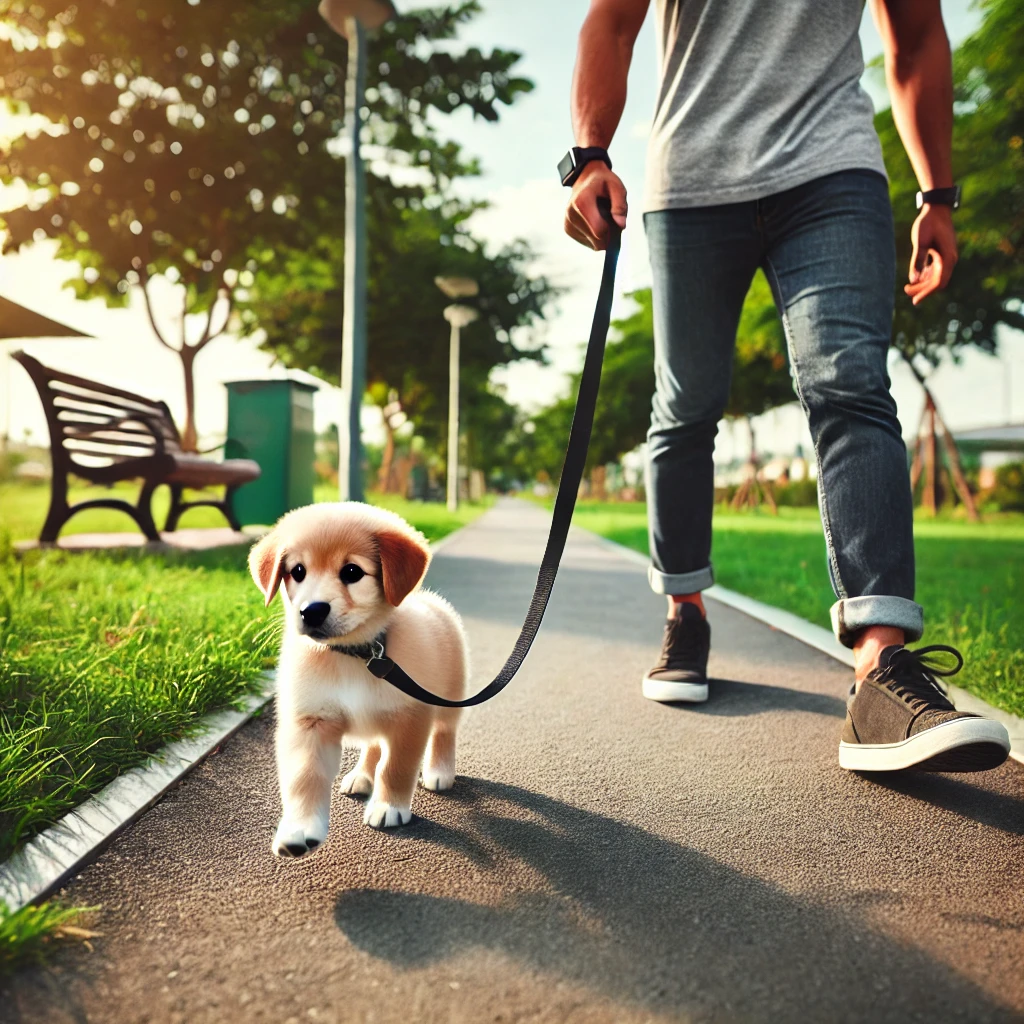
<point>351,573</point>
<point>298,572</point>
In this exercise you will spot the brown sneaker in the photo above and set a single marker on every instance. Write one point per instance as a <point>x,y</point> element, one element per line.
<point>682,671</point>
<point>901,718</point>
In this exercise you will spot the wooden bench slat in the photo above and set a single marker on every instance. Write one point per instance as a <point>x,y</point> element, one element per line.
<point>72,428</point>
<point>108,444</point>
<point>97,388</point>
<point>99,407</point>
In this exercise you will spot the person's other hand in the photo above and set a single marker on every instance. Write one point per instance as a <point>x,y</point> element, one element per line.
<point>583,220</point>
<point>935,255</point>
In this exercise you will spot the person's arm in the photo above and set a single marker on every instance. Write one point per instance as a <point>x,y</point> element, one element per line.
<point>918,70</point>
<point>598,98</point>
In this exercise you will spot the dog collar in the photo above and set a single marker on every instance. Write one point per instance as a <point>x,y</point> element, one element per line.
<point>364,652</point>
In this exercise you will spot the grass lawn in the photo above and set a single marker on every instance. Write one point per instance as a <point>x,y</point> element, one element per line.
<point>23,509</point>
<point>106,656</point>
<point>970,579</point>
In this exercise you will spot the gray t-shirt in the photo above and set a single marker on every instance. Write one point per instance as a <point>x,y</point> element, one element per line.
<point>756,96</point>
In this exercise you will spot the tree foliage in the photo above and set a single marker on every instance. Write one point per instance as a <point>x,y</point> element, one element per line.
<point>760,381</point>
<point>192,140</point>
<point>413,238</point>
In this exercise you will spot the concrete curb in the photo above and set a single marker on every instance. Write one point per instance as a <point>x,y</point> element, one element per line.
<point>48,860</point>
<point>823,640</point>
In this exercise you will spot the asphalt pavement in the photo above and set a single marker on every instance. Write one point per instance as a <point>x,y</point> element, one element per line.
<point>600,859</point>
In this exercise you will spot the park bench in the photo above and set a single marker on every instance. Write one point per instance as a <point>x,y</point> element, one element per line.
<point>104,435</point>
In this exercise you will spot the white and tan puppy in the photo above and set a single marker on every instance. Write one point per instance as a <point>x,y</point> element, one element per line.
<point>348,575</point>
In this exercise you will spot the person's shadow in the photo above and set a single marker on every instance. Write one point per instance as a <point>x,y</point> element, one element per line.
<point>645,921</point>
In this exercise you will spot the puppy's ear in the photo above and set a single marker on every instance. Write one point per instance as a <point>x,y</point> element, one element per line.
<point>403,562</point>
<point>266,563</point>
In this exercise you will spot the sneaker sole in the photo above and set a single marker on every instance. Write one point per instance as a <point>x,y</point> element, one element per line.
<point>967,745</point>
<point>665,691</point>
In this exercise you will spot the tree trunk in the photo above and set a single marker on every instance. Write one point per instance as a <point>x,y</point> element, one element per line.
<point>597,483</point>
<point>930,495</point>
<point>753,491</point>
<point>189,437</point>
<point>384,475</point>
<point>960,484</point>
<point>924,452</point>
<point>915,466</point>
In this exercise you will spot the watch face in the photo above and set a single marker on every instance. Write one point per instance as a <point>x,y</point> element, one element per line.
<point>567,167</point>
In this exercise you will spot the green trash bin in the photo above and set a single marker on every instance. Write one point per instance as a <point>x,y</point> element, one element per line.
<point>271,421</point>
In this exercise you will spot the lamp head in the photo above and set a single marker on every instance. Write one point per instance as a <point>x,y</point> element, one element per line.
<point>460,316</point>
<point>370,14</point>
<point>457,287</point>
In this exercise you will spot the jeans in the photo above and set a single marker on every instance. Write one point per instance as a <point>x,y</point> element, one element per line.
<point>827,250</point>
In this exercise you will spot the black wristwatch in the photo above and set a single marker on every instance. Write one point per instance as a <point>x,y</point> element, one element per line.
<point>571,165</point>
<point>940,197</point>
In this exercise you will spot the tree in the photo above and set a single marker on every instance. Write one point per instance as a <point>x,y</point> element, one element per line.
<point>414,236</point>
<point>623,409</point>
<point>988,284</point>
<point>760,382</point>
<point>190,142</point>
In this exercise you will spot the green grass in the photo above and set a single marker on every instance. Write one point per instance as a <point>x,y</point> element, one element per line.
<point>23,509</point>
<point>27,935</point>
<point>433,520</point>
<point>106,656</point>
<point>969,578</point>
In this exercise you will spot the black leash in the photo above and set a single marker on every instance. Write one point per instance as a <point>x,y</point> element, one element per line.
<point>565,501</point>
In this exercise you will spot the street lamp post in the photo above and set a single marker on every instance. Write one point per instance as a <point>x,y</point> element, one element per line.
<point>458,316</point>
<point>351,19</point>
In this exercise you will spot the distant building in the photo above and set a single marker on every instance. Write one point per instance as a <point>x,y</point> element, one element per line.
<point>991,447</point>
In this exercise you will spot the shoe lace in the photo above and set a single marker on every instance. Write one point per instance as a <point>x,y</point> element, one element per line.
<point>684,644</point>
<point>911,675</point>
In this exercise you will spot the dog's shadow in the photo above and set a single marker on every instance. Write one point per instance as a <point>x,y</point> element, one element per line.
<point>639,919</point>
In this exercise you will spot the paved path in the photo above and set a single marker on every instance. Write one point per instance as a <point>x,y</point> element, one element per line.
<point>601,859</point>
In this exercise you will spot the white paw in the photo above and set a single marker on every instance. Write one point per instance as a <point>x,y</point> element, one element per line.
<point>356,783</point>
<point>384,815</point>
<point>297,838</point>
<point>438,779</point>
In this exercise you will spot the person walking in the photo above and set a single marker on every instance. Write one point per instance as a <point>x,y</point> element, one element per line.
<point>763,153</point>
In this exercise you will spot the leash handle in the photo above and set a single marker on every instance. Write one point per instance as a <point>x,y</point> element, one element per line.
<point>604,207</point>
<point>565,498</point>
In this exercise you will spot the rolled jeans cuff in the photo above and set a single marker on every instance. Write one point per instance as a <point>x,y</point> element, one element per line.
<point>680,582</point>
<point>853,614</point>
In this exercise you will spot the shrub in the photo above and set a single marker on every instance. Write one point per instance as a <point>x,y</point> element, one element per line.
<point>1008,492</point>
<point>799,493</point>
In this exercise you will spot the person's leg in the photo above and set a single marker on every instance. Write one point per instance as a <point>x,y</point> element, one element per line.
<point>831,263</point>
<point>702,261</point>
<point>830,260</point>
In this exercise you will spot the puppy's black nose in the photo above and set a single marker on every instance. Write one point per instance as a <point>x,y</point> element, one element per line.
<point>314,612</point>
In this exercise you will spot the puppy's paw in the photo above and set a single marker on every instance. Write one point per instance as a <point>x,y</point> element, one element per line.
<point>297,838</point>
<point>384,815</point>
<point>356,783</point>
<point>438,779</point>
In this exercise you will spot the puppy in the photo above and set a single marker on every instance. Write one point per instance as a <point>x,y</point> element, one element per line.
<point>348,574</point>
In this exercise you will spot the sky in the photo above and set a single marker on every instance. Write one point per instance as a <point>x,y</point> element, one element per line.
<point>520,183</point>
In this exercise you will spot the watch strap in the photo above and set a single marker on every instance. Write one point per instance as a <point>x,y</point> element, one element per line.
<point>940,197</point>
<point>571,165</point>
